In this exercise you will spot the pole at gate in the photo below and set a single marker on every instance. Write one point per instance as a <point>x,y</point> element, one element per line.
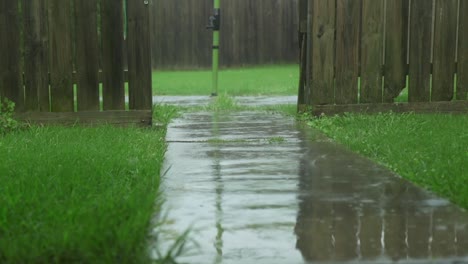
<point>215,23</point>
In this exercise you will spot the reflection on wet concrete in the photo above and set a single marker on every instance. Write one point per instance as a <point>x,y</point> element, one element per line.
<point>242,100</point>
<point>238,192</point>
<point>353,210</point>
<point>251,199</point>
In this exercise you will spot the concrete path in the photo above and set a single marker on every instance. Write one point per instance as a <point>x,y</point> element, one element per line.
<point>261,188</point>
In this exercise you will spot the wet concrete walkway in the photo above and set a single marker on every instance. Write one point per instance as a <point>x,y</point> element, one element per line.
<point>261,188</point>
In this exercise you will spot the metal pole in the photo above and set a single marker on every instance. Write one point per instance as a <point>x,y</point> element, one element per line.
<point>215,25</point>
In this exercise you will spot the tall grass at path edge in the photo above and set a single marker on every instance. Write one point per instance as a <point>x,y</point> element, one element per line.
<point>78,194</point>
<point>427,149</point>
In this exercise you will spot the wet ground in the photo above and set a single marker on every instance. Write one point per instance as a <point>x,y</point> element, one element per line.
<point>243,100</point>
<point>260,188</point>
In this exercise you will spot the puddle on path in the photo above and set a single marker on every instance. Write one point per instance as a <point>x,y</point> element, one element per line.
<point>242,100</point>
<point>252,198</point>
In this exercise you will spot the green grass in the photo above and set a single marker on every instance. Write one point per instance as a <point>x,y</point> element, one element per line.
<point>265,80</point>
<point>226,103</point>
<point>79,195</point>
<point>430,150</point>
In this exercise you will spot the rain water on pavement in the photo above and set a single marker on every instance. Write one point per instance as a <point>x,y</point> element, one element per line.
<point>257,187</point>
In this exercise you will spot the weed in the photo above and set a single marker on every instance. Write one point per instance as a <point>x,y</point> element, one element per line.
<point>221,103</point>
<point>163,114</point>
<point>276,140</point>
<point>7,122</point>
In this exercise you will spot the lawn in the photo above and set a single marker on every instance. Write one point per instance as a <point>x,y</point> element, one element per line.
<point>264,80</point>
<point>78,194</point>
<point>430,150</point>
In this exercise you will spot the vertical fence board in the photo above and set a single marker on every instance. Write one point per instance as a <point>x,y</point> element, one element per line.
<point>302,71</point>
<point>227,25</point>
<point>371,51</point>
<point>279,24</point>
<point>302,12</point>
<point>445,38</point>
<point>202,38</point>
<point>302,36</point>
<point>112,54</point>
<point>347,51</point>
<point>322,52</point>
<point>36,54</point>
<point>462,74</point>
<point>139,55</point>
<point>260,40</point>
<point>251,35</point>
<point>420,51</point>
<point>396,41</point>
<point>10,66</point>
<point>61,58</point>
<point>87,52</point>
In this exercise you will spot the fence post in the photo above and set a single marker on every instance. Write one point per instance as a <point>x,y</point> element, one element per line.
<point>215,23</point>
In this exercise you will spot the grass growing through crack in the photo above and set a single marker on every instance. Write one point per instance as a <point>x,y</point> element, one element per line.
<point>222,102</point>
<point>430,150</point>
<point>226,103</point>
<point>79,194</point>
<point>276,140</point>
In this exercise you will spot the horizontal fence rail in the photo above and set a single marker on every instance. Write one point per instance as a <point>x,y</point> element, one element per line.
<point>368,51</point>
<point>66,56</point>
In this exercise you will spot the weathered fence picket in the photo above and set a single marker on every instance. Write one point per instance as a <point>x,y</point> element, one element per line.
<point>420,51</point>
<point>372,50</point>
<point>303,18</point>
<point>396,42</point>
<point>347,51</point>
<point>10,62</point>
<point>462,60</point>
<point>36,49</point>
<point>87,55</point>
<point>323,51</point>
<point>445,44</point>
<point>385,43</point>
<point>48,46</point>
<point>61,56</point>
<point>112,54</point>
<point>139,59</point>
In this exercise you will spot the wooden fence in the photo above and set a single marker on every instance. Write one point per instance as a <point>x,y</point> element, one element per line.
<point>252,32</point>
<point>364,51</point>
<point>49,46</point>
